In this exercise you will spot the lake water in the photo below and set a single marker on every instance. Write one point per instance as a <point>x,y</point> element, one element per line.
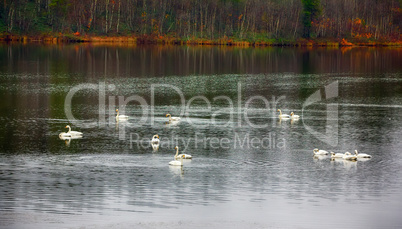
<point>249,168</point>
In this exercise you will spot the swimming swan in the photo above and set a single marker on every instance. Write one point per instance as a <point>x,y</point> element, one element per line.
<point>176,162</point>
<point>283,116</point>
<point>362,155</point>
<point>293,116</point>
<point>155,139</point>
<point>336,155</point>
<point>184,156</point>
<point>320,152</point>
<point>70,133</point>
<point>171,119</point>
<point>155,147</point>
<point>120,117</point>
<point>73,133</point>
<point>349,157</point>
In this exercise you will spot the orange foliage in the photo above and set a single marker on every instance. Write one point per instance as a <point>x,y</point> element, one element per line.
<point>143,16</point>
<point>89,23</point>
<point>77,33</point>
<point>344,42</point>
<point>357,21</point>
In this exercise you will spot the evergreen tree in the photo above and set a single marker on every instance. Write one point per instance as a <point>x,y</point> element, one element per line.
<point>311,10</point>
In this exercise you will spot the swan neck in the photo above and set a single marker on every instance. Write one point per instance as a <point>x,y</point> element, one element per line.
<point>69,129</point>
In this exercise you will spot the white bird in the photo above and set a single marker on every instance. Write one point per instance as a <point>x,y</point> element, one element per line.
<point>362,155</point>
<point>73,133</point>
<point>172,119</point>
<point>293,116</point>
<point>155,139</point>
<point>283,116</point>
<point>336,155</point>
<point>155,147</point>
<point>184,156</point>
<point>320,152</point>
<point>69,137</point>
<point>64,135</point>
<point>120,117</point>
<point>70,133</point>
<point>349,157</point>
<point>176,162</point>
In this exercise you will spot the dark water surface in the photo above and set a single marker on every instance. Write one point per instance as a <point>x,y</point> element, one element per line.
<point>249,168</point>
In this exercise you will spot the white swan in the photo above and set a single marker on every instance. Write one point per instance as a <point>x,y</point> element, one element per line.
<point>184,156</point>
<point>69,137</point>
<point>155,139</point>
<point>176,162</point>
<point>155,147</point>
<point>349,157</point>
<point>362,155</point>
<point>336,155</point>
<point>283,116</point>
<point>64,135</point>
<point>172,119</point>
<point>320,152</point>
<point>73,133</point>
<point>120,117</point>
<point>70,133</point>
<point>293,116</point>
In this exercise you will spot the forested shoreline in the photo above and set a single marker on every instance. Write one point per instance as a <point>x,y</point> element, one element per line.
<point>256,22</point>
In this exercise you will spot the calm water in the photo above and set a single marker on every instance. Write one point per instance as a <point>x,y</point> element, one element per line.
<point>248,169</point>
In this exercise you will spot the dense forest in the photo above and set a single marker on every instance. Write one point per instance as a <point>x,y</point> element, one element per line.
<point>206,19</point>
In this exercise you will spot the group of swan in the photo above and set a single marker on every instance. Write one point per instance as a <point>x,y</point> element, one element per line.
<point>346,156</point>
<point>155,139</point>
<point>285,116</point>
<point>176,162</point>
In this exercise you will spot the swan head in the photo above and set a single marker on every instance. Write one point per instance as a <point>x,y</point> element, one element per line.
<point>176,147</point>
<point>347,153</point>
<point>292,114</point>
<point>68,126</point>
<point>117,110</point>
<point>167,115</point>
<point>279,110</point>
<point>156,136</point>
<point>356,152</point>
<point>315,150</point>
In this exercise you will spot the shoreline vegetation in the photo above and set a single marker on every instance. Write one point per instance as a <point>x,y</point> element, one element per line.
<point>168,40</point>
<point>330,23</point>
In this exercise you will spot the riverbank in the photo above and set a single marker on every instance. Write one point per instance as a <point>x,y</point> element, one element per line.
<point>225,41</point>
